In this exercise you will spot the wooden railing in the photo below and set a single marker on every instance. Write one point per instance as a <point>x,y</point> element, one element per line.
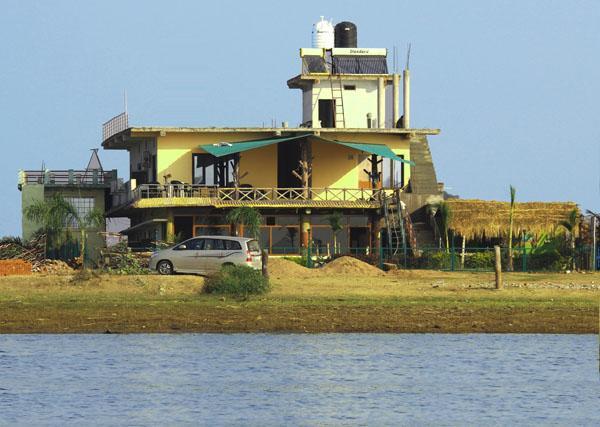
<point>251,195</point>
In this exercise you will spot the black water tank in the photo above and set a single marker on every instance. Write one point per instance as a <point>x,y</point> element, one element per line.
<point>346,35</point>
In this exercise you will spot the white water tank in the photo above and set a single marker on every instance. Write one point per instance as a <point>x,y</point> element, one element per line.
<point>323,34</point>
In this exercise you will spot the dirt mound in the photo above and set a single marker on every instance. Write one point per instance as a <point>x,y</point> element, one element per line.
<point>351,266</point>
<point>50,266</point>
<point>281,268</point>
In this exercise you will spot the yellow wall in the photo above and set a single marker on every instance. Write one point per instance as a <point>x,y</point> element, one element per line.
<point>175,156</point>
<point>334,166</point>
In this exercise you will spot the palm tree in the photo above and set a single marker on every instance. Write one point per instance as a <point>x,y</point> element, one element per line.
<point>248,217</point>
<point>335,222</point>
<point>513,192</point>
<point>57,216</point>
<point>569,224</point>
<point>445,213</point>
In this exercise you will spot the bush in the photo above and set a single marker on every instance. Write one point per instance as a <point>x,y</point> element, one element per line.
<point>480,260</point>
<point>438,260</point>
<point>551,260</point>
<point>237,280</point>
<point>123,261</point>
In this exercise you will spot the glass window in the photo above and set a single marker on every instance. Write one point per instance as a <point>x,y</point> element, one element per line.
<point>232,245</point>
<point>210,170</point>
<point>83,206</point>
<point>392,173</point>
<point>213,245</point>
<point>253,246</point>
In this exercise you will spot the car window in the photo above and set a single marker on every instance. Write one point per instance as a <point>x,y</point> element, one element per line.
<point>253,246</point>
<point>189,245</point>
<point>213,244</point>
<point>195,244</point>
<point>232,245</point>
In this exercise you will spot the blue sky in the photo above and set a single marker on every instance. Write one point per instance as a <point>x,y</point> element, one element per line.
<point>513,85</point>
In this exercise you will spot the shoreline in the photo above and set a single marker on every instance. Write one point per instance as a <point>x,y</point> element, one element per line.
<point>407,302</point>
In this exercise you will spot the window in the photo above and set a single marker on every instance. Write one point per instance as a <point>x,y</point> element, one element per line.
<point>393,173</point>
<point>210,170</point>
<point>83,206</point>
<point>232,245</point>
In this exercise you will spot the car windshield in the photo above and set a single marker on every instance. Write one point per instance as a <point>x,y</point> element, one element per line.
<point>253,246</point>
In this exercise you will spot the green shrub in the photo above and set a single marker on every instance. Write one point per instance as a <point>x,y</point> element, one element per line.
<point>438,260</point>
<point>237,280</point>
<point>551,260</point>
<point>480,260</point>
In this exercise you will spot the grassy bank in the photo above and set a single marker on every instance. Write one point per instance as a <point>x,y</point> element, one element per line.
<point>415,301</point>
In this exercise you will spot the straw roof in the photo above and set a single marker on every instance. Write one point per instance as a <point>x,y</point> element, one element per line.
<point>478,218</point>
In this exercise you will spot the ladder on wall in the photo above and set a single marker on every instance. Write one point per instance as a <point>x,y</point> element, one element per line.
<point>337,89</point>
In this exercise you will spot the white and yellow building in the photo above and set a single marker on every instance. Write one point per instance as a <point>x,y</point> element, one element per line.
<point>353,149</point>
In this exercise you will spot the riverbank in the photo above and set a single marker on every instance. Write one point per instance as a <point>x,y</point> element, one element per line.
<point>403,301</point>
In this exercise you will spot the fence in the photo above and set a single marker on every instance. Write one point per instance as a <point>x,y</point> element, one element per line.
<point>454,259</point>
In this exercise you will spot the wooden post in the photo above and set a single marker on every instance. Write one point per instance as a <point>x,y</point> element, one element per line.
<point>265,262</point>
<point>498,267</point>
<point>462,253</point>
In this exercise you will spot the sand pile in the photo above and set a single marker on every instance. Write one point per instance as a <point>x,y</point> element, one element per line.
<point>53,266</point>
<point>351,266</point>
<point>281,268</point>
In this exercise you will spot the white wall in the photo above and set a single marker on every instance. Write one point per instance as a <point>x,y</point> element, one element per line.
<point>357,103</point>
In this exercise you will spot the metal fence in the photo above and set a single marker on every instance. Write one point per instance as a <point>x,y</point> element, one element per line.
<point>469,259</point>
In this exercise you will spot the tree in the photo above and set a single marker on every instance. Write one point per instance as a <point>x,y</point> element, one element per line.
<point>511,215</point>
<point>248,217</point>
<point>335,222</point>
<point>445,213</point>
<point>570,224</point>
<point>57,217</point>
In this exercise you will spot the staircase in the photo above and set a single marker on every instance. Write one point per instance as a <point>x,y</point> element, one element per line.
<point>423,179</point>
<point>399,226</point>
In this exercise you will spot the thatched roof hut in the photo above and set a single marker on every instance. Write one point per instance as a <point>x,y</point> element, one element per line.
<point>488,218</point>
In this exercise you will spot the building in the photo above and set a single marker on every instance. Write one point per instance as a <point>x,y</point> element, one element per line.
<point>352,152</point>
<point>85,189</point>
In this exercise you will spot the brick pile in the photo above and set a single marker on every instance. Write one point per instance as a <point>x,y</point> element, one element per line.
<point>12,267</point>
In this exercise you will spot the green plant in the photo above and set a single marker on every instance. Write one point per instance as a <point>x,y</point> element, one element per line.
<point>124,262</point>
<point>480,260</point>
<point>248,217</point>
<point>237,280</point>
<point>513,193</point>
<point>55,215</point>
<point>569,224</point>
<point>444,213</point>
<point>436,260</point>
<point>335,222</point>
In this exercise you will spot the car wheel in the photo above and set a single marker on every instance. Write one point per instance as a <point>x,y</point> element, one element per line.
<point>164,267</point>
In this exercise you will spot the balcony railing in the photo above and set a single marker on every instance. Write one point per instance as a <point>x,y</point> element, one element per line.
<point>220,196</point>
<point>68,177</point>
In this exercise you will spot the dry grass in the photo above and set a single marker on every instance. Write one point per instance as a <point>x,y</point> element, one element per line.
<point>477,218</point>
<point>414,301</point>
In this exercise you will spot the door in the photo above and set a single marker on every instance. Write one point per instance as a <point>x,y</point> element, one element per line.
<point>327,113</point>
<point>209,256</point>
<point>184,256</point>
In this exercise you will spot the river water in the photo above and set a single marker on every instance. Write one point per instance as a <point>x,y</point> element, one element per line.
<point>276,379</point>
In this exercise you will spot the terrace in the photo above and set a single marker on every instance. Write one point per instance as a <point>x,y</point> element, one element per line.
<point>187,195</point>
<point>70,177</point>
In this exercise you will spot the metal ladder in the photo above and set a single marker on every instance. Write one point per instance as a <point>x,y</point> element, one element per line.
<point>338,100</point>
<point>394,225</point>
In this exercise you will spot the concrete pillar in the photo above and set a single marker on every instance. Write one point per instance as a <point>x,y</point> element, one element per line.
<point>396,99</point>
<point>381,102</point>
<point>170,237</point>
<point>304,229</point>
<point>406,92</point>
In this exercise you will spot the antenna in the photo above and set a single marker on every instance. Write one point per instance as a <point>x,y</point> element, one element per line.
<point>395,54</point>
<point>408,58</point>
<point>125,100</point>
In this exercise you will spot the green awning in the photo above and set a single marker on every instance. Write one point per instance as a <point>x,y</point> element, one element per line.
<point>227,148</point>
<point>378,149</point>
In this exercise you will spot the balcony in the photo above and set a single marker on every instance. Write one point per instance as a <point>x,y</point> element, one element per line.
<point>70,177</point>
<point>186,195</point>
